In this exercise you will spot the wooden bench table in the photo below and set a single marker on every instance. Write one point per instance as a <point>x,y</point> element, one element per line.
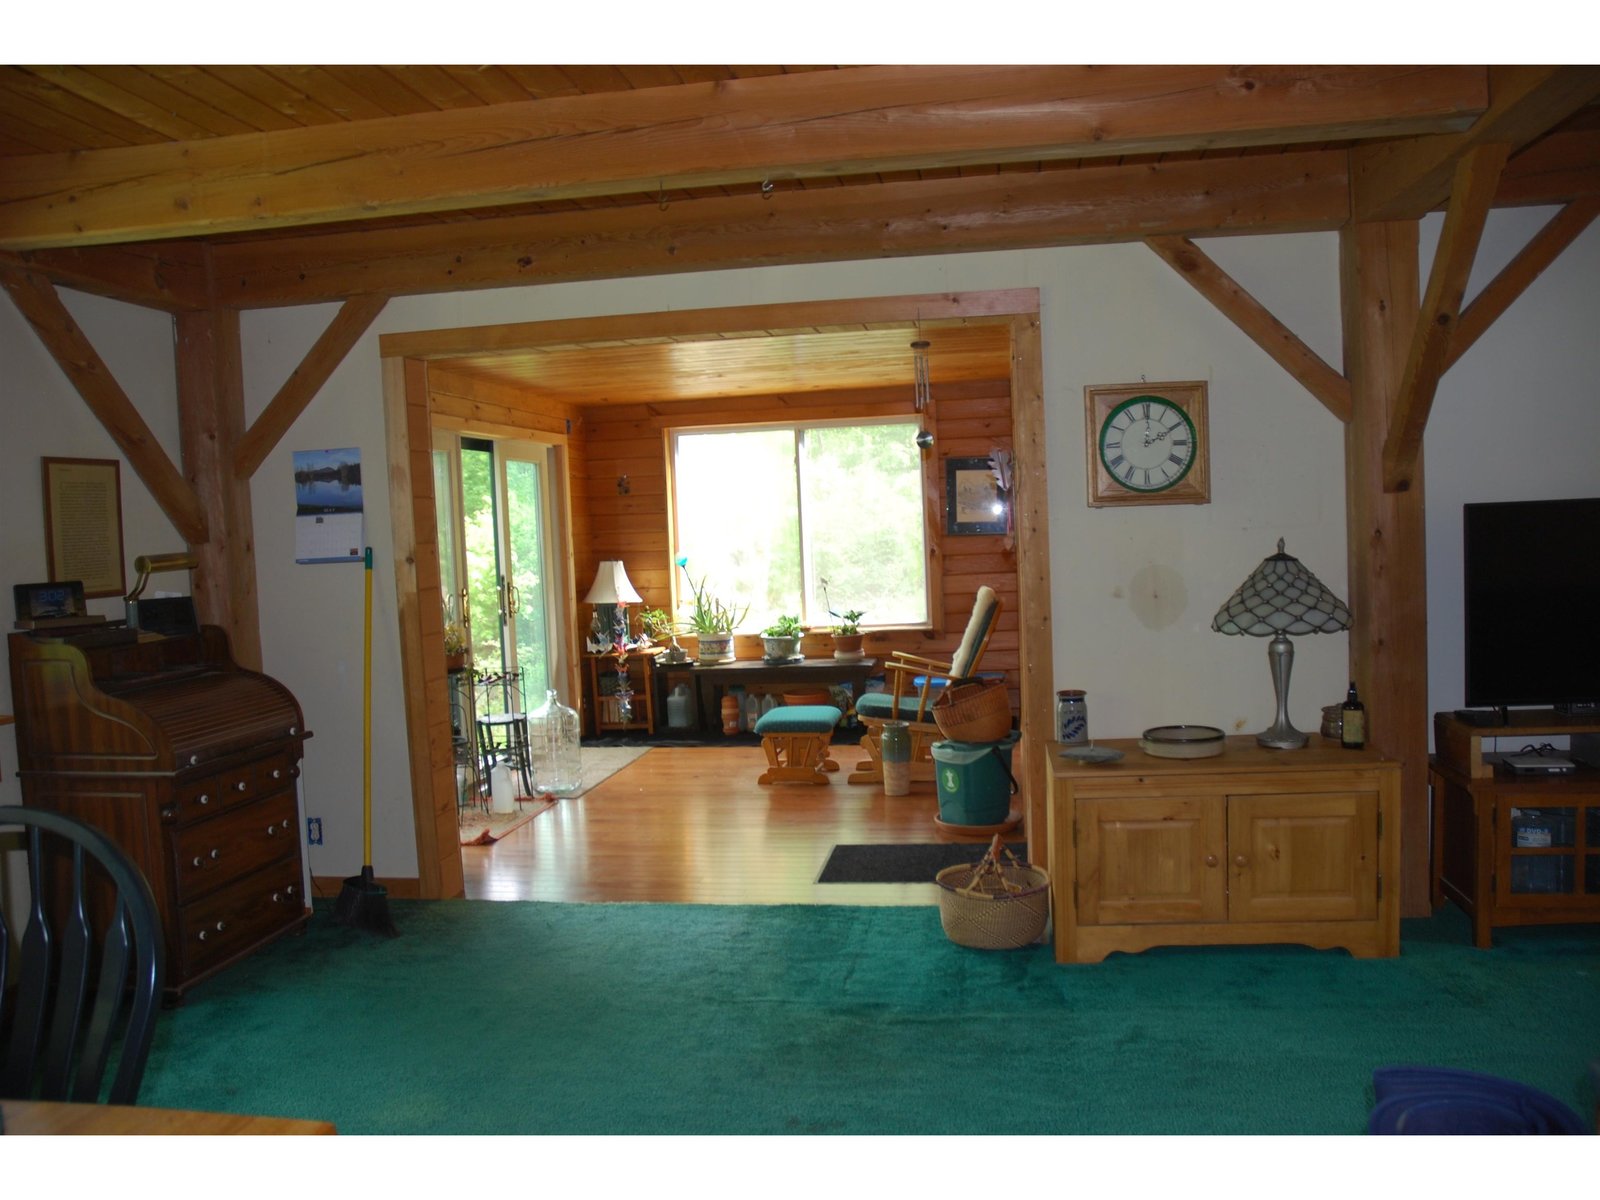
<point>713,679</point>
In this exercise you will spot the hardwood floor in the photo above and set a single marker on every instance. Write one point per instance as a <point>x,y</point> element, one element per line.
<point>692,825</point>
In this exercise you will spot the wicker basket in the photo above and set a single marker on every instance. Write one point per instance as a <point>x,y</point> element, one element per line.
<point>974,712</point>
<point>993,905</point>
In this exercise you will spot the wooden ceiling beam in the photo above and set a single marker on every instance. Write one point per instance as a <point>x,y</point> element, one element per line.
<point>1403,179</point>
<point>37,300</point>
<point>343,332</point>
<point>861,120</point>
<point>1295,192</point>
<point>1514,279</point>
<point>1476,177</point>
<point>1257,323</point>
<point>172,276</point>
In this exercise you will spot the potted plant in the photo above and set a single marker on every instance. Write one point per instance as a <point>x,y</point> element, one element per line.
<point>455,646</point>
<point>713,623</point>
<point>654,626</point>
<point>847,635</point>
<point>779,639</point>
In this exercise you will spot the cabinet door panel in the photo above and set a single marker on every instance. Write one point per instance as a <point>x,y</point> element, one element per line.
<point>1151,860</point>
<point>1303,857</point>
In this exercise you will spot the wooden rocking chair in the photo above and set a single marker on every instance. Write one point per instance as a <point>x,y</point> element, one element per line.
<point>912,702</point>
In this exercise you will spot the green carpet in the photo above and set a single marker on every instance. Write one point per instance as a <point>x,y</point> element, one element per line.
<point>670,1019</point>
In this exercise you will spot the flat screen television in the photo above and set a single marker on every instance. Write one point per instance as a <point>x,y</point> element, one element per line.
<point>1532,598</point>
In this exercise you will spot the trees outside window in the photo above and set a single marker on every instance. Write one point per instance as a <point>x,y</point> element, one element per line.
<point>766,515</point>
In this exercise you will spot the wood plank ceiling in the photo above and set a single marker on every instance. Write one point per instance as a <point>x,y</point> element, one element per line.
<point>194,187</point>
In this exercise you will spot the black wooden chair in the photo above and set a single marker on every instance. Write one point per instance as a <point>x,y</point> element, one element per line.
<point>90,969</point>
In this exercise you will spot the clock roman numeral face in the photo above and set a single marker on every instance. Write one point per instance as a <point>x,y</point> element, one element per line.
<point>1147,443</point>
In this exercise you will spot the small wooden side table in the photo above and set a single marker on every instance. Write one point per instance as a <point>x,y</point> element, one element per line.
<point>641,677</point>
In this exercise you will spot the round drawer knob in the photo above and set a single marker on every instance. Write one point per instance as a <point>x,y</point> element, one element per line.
<point>196,860</point>
<point>276,773</point>
<point>277,897</point>
<point>240,786</point>
<point>291,889</point>
<point>1240,861</point>
<point>202,935</point>
<point>272,831</point>
<point>1211,860</point>
<point>204,799</point>
<point>216,854</point>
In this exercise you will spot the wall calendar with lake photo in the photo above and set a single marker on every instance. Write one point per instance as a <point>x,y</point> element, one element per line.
<point>328,521</point>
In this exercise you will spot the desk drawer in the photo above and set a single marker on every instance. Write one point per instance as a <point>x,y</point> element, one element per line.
<point>199,799</point>
<point>231,921</point>
<point>212,853</point>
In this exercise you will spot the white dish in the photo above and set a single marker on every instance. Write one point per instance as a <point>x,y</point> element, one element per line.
<point>1183,741</point>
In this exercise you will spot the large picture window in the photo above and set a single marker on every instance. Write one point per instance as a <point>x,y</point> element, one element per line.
<point>791,520</point>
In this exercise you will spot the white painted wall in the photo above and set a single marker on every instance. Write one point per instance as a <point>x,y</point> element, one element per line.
<point>1135,588</point>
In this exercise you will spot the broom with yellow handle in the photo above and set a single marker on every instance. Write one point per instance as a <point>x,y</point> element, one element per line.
<point>363,902</point>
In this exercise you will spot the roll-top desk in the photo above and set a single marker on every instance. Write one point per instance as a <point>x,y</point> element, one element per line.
<point>188,762</point>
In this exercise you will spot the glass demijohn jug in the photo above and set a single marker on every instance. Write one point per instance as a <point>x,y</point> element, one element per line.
<point>553,734</point>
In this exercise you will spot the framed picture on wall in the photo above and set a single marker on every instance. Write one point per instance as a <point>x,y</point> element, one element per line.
<point>83,523</point>
<point>974,502</point>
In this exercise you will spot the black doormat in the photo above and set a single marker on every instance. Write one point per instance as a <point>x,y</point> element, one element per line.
<point>891,863</point>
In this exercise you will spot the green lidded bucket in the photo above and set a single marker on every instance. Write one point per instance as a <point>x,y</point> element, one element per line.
<point>974,780</point>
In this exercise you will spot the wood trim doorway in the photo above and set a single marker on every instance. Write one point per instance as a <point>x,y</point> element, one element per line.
<point>409,359</point>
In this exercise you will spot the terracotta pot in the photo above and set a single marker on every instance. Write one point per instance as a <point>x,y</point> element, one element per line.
<point>455,662</point>
<point>847,646</point>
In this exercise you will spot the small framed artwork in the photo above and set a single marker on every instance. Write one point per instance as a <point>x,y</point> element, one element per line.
<point>1147,444</point>
<point>974,502</point>
<point>83,523</point>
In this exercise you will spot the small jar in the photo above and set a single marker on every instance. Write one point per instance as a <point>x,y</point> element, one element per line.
<point>1072,716</point>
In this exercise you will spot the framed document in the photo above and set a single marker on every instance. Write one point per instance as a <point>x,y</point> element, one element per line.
<point>973,500</point>
<point>83,523</point>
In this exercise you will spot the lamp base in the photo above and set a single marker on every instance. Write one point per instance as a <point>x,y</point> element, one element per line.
<point>1281,735</point>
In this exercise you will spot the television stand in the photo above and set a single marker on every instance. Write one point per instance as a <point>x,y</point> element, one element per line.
<point>1513,849</point>
<point>1482,717</point>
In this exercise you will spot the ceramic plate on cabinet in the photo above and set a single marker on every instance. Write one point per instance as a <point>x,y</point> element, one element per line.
<point>1183,741</point>
<point>1092,754</point>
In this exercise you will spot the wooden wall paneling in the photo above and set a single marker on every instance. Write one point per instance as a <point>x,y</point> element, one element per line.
<point>1386,540</point>
<point>210,378</point>
<point>427,707</point>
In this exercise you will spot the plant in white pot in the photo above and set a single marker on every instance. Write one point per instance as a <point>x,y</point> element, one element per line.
<point>713,623</point>
<point>780,639</point>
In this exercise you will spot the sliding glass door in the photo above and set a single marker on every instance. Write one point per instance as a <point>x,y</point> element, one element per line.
<point>498,561</point>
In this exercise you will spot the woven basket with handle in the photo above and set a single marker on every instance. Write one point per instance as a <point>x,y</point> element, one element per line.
<point>994,905</point>
<point>979,711</point>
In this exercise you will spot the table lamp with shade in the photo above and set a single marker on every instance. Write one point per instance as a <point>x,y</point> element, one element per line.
<point>611,587</point>
<point>1281,597</point>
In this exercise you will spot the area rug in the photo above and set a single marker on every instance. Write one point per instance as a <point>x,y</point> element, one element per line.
<point>596,764</point>
<point>599,763</point>
<point>480,828</point>
<point>701,1019</point>
<point>892,863</point>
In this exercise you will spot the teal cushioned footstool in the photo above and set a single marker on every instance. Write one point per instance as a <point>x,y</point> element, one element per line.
<point>796,739</point>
